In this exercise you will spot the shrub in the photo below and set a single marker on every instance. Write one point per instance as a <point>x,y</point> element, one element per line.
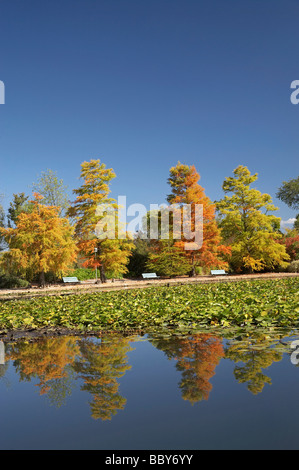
<point>138,258</point>
<point>82,274</point>
<point>293,267</point>
<point>9,282</point>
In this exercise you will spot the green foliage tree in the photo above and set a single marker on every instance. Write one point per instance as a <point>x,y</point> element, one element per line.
<point>53,190</point>
<point>16,207</point>
<point>138,257</point>
<point>289,194</point>
<point>167,259</point>
<point>252,233</point>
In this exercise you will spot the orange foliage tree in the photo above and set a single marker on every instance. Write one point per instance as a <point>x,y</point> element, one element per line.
<point>186,190</point>
<point>291,242</point>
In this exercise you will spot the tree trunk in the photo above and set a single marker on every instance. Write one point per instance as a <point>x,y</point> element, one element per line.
<point>192,272</point>
<point>102,274</point>
<point>42,280</point>
<point>101,267</point>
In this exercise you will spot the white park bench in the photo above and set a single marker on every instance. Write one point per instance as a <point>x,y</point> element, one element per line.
<point>150,276</point>
<point>70,280</point>
<point>218,272</point>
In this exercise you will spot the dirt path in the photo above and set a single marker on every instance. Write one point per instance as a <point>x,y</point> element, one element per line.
<point>90,286</point>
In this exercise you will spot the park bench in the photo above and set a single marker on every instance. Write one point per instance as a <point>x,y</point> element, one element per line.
<point>70,280</point>
<point>150,276</point>
<point>218,272</point>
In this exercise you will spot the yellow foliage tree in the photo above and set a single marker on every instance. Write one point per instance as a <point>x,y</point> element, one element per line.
<point>100,245</point>
<point>246,224</point>
<point>41,242</point>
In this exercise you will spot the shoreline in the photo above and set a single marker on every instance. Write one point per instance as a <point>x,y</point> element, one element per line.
<point>86,287</point>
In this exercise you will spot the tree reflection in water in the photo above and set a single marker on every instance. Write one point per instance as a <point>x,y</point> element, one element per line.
<point>197,357</point>
<point>57,362</point>
<point>98,363</point>
<point>256,352</point>
<point>50,361</point>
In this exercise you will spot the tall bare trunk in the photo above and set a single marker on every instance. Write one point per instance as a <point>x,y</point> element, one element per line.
<point>102,274</point>
<point>42,280</point>
<point>192,272</point>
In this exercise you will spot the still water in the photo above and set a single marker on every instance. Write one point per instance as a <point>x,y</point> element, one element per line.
<point>155,392</point>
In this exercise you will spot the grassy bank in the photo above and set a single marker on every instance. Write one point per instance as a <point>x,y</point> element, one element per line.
<point>245,303</point>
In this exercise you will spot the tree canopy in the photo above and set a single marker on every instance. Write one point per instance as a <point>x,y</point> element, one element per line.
<point>52,189</point>
<point>108,252</point>
<point>245,221</point>
<point>186,190</point>
<point>41,242</point>
<point>17,205</point>
<point>289,194</point>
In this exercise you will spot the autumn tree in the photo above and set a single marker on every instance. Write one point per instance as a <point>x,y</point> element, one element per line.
<point>246,223</point>
<point>291,242</point>
<point>289,194</point>
<point>41,242</point>
<point>100,244</point>
<point>112,256</point>
<point>185,190</point>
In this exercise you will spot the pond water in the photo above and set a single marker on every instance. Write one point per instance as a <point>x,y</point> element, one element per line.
<point>159,391</point>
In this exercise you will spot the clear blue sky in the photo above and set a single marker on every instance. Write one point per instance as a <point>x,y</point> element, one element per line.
<point>141,84</point>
